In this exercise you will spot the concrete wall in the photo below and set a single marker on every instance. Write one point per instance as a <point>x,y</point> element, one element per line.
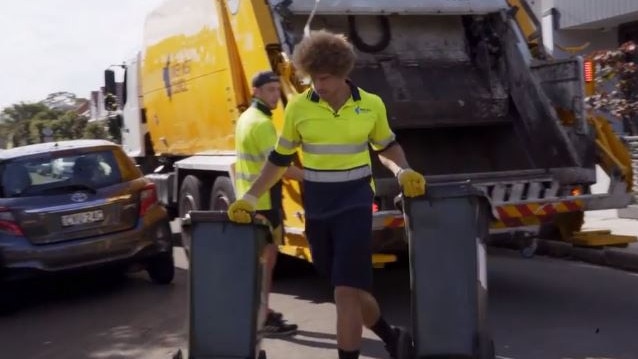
<point>600,38</point>
<point>595,13</point>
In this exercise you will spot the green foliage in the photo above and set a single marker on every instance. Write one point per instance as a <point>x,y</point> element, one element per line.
<point>94,130</point>
<point>27,123</point>
<point>617,85</point>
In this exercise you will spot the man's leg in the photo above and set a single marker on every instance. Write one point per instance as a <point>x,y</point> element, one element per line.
<point>353,270</point>
<point>270,254</point>
<point>352,275</point>
<point>275,325</point>
<point>349,321</point>
<point>370,310</point>
<point>398,341</point>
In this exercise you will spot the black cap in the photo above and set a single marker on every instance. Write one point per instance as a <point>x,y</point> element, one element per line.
<point>264,77</point>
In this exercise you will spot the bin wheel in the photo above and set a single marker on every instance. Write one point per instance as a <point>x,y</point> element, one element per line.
<point>490,351</point>
<point>485,348</point>
<point>529,249</point>
<point>262,354</point>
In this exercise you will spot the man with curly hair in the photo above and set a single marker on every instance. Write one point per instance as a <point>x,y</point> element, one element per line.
<point>333,123</point>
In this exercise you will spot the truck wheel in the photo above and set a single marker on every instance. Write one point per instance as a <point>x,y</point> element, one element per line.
<point>161,268</point>
<point>563,226</point>
<point>222,194</point>
<point>190,199</point>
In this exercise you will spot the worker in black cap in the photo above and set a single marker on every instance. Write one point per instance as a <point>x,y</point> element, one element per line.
<point>255,138</point>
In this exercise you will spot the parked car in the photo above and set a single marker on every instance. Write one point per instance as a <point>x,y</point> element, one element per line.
<point>101,210</point>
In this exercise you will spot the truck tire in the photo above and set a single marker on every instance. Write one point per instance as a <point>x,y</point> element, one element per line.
<point>190,199</point>
<point>563,227</point>
<point>222,194</point>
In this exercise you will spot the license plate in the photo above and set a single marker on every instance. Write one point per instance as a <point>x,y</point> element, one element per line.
<point>82,218</point>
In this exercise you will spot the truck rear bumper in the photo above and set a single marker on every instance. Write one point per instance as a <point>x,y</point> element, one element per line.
<point>607,201</point>
<point>523,214</point>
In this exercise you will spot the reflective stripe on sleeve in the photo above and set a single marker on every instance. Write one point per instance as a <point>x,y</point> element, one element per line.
<point>287,144</point>
<point>255,158</point>
<point>245,176</point>
<point>384,143</point>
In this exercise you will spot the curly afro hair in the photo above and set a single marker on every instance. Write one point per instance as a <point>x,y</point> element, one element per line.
<point>324,52</point>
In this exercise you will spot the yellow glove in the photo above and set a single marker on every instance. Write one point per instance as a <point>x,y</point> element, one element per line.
<point>241,211</point>
<point>412,182</point>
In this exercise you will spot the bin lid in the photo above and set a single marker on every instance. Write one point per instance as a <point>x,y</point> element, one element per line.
<point>452,190</point>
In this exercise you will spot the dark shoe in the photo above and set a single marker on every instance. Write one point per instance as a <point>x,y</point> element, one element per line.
<point>276,327</point>
<point>276,315</point>
<point>403,345</point>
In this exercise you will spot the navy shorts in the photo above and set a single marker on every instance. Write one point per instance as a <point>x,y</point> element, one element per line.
<point>341,247</point>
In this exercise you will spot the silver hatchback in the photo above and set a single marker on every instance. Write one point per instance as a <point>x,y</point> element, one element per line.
<point>79,204</point>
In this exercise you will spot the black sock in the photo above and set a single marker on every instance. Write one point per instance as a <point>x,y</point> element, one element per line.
<point>384,331</point>
<point>348,355</point>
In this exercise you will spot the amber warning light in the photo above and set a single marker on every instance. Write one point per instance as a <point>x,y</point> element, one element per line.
<point>589,71</point>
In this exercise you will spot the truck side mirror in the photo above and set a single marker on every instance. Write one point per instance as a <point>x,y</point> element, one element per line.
<point>110,99</point>
<point>109,82</point>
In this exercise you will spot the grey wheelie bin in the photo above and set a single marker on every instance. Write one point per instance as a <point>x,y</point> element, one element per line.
<point>226,294</point>
<point>446,229</point>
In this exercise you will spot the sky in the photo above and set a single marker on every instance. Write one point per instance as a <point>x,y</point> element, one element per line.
<point>64,45</point>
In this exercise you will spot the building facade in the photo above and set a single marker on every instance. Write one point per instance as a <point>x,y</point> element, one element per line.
<point>586,25</point>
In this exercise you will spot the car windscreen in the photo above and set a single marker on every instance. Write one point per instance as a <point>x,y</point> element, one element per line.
<point>51,173</point>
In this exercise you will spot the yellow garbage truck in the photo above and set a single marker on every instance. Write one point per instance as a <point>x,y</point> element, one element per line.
<point>466,94</point>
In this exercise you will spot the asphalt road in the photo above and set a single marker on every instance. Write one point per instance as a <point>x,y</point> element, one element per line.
<point>540,309</point>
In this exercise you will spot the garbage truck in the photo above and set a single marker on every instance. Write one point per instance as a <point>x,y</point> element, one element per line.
<point>468,93</point>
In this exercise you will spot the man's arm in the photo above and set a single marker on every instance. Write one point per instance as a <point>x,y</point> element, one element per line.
<point>270,174</point>
<point>393,158</point>
<point>412,183</point>
<point>241,210</point>
<point>391,155</point>
<point>294,173</point>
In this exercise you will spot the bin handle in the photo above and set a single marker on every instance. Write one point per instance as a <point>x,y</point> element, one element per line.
<point>255,219</point>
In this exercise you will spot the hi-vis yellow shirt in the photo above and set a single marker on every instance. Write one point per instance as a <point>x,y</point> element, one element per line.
<point>255,137</point>
<point>334,145</point>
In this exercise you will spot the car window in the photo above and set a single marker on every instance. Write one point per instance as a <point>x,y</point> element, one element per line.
<point>31,175</point>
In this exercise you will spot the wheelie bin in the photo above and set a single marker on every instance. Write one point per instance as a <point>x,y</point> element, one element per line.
<point>446,229</point>
<point>226,282</point>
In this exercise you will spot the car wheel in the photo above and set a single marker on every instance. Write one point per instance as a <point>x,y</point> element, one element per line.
<point>222,194</point>
<point>161,269</point>
<point>190,199</point>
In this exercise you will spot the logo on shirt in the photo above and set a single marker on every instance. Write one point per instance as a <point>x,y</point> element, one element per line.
<point>360,110</point>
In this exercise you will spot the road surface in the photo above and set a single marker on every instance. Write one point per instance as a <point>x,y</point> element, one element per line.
<point>540,308</point>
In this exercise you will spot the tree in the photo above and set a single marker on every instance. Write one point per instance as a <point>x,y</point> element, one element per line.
<point>94,130</point>
<point>617,85</point>
<point>25,123</point>
<point>16,121</point>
